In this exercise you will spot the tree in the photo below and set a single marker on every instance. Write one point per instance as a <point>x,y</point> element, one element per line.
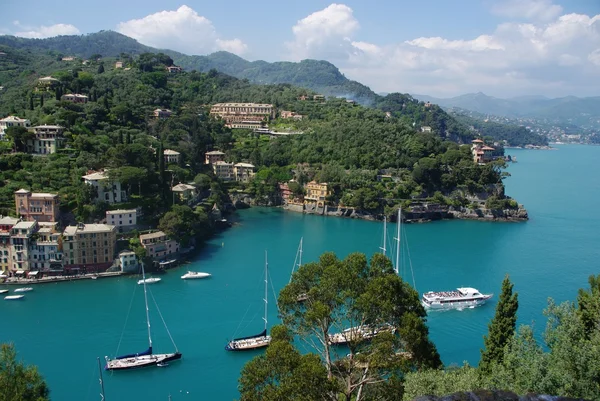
<point>42,100</point>
<point>283,373</point>
<point>19,382</point>
<point>31,107</point>
<point>355,293</point>
<point>20,136</point>
<point>588,303</point>
<point>502,327</point>
<point>183,224</point>
<point>101,68</point>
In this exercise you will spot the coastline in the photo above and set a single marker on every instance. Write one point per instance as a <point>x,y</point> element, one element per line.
<point>58,279</point>
<point>425,214</point>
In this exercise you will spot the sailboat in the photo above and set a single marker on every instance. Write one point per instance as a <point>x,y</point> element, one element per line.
<point>259,340</point>
<point>146,358</point>
<point>297,263</point>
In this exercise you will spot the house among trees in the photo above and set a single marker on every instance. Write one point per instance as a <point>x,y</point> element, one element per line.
<point>123,219</point>
<point>171,156</point>
<point>185,192</point>
<point>243,171</point>
<point>46,83</point>
<point>426,129</point>
<point>285,114</point>
<point>316,193</point>
<point>106,190</point>
<point>48,139</point>
<point>118,64</point>
<point>223,170</point>
<point>37,206</point>
<point>481,152</point>
<point>173,69</point>
<point>158,245</point>
<point>213,157</point>
<point>12,121</point>
<point>68,58</point>
<point>162,113</point>
<point>243,115</point>
<point>74,98</point>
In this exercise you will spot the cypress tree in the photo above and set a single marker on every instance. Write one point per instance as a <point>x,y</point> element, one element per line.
<point>101,68</point>
<point>31,102</point>
<point>42,100</point>
<point>501,329</point>
<point>120,136</point>
<point>128,138</point>
<point>105,101</point>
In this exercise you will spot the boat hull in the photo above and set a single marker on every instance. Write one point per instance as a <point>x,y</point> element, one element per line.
<point>455,304</point>
<point>196,276</point>
<point>14,297</point>
<point>141,361</point>
<point>248,344</point>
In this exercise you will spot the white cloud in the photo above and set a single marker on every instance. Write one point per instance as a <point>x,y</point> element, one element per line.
<point>45,31</point>
<point>542,10</point>
<point>183,30</point>
<point>556,57</point>
<point>324,32</point>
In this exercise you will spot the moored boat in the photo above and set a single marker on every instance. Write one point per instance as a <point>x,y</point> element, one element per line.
<point>464,297</point>
<point>3,291</point>
<point>13,297</point>
<point>358,333</point>
<point>194,275</point>
<point>24,289</point>
<point>258,340</point>
<point>150,280</point>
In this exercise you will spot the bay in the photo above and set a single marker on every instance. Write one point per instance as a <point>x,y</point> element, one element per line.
<point>64,327</point>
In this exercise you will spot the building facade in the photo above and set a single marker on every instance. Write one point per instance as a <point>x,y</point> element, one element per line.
<point>89,247</point>
<point>106,190</point>
<point>162,113</point>
<point>223,170</point>
<point>37,206</point>
<point>481,152</point>
<point>213,157</point>
<point>243,171</point>
<point>21,244</point>
<point>290,114</point>
<point>48,139</point>
<point>46,83</point>
<point>46,250</point>
<point>12,121</point>
<point>243,115</point>
<point>74,98</point>
<point>185,192</point>
<point>6,225</point>
<point>316,193</point>
<point>158,245</point>
<point>128,262</point>
<point>121,218</point>
<point>171,156</point>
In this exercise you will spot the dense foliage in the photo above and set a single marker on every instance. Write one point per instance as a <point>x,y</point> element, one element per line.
<point>339,294</point>
<point>566,364</point>
<point>19,382</point>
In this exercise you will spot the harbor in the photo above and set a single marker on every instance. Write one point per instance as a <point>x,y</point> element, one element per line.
<point>59,279</point>
<point>89,317</point>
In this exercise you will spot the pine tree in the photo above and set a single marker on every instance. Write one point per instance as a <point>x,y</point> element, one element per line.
<point>501,329</point>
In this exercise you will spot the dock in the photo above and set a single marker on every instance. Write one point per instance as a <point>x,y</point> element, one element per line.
<point>58,279</point>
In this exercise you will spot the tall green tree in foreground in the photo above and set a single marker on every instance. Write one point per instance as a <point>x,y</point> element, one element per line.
<point>19,382</point>
<point>342,294</point>
<point>502,327</point>
<point>588,302</point>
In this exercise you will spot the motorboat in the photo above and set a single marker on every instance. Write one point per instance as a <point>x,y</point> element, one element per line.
<point>149,280</point>
<point>24,289</point>
<point>194,275</point>
<point>13,297</point>
<point>3,291</point>
<point>461,298</point>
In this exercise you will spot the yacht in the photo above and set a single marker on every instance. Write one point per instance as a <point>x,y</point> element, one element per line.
<point>150,280</point>
<point>358,333</point>
<point>24,289</point>
<point>13,297</point>
<point>3,291</point>
<point>193,275</point>
<point>461,298</point>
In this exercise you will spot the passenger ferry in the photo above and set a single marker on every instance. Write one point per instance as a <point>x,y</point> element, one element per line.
<point>461,298</point>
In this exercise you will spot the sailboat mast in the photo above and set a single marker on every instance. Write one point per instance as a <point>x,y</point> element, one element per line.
<point>266,293</point>
<point>384,234</point>
<point>146,301</point>
<point>300,260</point>
<point>398,241</point>
<point>102,398</point>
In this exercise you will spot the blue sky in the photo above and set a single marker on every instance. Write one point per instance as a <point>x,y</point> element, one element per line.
<point>437,47</point>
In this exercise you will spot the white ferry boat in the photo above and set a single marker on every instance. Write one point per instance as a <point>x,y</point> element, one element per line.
<point>461,298</point>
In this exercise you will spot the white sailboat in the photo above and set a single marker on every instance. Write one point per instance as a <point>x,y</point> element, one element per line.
<point>259,340</point>
<point>146,358</point>
<point>297,263</point>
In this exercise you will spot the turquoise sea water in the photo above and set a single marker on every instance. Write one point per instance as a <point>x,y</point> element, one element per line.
<point>63,327</point>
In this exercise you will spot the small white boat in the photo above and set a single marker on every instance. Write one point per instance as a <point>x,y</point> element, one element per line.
<point>24,289</point>
<point>13,297</point>
<point>193,275</point>
<point>3,291</point>
<point>150,280</point>
<point>359,333</point>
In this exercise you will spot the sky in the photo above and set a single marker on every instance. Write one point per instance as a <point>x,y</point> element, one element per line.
<point>441,48</point>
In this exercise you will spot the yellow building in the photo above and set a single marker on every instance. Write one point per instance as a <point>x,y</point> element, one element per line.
<point>316,193</point>
<point>89,247</point>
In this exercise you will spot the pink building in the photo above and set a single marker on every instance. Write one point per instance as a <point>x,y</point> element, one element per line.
<point>37,206</point>
<point>158,245</point>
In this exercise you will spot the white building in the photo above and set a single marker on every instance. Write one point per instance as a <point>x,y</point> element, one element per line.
<point>107,191</point>
<point>121,218</point>
<point>48,139</point>
<point>171,156</point>
<point>128,262</point>
<point>223,170</point>
<point>20,242</point>
<point>243,171</point>
<point>12,121</point>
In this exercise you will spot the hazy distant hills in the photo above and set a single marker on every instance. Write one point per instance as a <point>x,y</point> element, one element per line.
<point>579,110</point>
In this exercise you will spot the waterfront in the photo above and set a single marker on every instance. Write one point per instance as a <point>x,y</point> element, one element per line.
<point>63,327</point>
